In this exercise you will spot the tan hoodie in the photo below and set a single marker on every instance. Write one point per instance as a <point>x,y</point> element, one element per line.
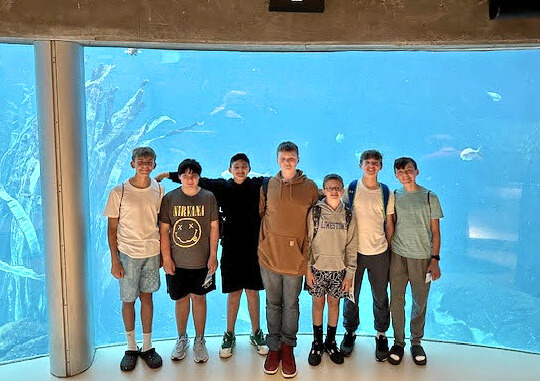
<point>283,236</point>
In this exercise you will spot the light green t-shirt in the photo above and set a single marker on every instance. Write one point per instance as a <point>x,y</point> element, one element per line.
<point>412,236</point>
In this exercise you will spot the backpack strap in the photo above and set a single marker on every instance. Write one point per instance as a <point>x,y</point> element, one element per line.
<point>316,213</point>
<point>385,193</point>
<point>352,192</point>
<point>348,216</point>
<point>429,203</point>
<point>395,209</point>
<point>265,182</point>
<point>120,204</point>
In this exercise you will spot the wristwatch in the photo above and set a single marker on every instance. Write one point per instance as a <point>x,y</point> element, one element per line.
<point>436,257</point>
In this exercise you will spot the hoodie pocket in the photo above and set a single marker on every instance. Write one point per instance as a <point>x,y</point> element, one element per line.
<point>283,254</point>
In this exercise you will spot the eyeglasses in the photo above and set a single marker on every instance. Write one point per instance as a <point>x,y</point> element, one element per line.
<point>334,189</point>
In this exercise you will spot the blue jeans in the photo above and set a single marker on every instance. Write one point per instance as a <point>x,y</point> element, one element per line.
<point>282,307</point>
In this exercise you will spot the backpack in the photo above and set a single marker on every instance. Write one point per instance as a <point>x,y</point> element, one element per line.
<point>385,194</point>
<point>316,213</point>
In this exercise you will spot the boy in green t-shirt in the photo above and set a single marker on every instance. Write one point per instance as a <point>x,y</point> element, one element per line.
<point>415,257</point>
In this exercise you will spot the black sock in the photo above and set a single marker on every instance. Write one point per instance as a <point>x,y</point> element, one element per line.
<point>330,334</point>
<point>317,333</point>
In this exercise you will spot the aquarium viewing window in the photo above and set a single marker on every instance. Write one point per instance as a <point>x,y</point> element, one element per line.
<point>462,115</point>
<point>469,118</point>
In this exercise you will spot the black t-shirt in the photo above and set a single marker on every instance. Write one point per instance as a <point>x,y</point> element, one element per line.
<point>239,211</point>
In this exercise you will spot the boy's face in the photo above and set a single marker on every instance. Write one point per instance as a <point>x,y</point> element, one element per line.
<point>287,160</point>
<point>333,190</point>
<point>370,167</point>
<point>189,179</point>
<point>407,175</point>
<point>143,165</point>
<point>239,169</point>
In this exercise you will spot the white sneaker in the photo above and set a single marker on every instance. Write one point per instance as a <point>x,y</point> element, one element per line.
<point>179,350</point>
<point>200,354</point>
<point>258,341</point>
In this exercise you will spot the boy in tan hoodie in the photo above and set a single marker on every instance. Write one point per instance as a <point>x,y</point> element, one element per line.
<point>284,204</point>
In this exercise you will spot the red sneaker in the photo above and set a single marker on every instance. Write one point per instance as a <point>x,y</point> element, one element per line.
<point>288,364</point>
<point>271,364</point>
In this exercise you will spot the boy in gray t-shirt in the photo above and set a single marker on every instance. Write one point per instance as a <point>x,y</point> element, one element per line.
<point>189,234</point>
<point>415,257</point>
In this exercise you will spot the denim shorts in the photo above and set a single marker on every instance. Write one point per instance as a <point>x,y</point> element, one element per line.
<point>140,275</point>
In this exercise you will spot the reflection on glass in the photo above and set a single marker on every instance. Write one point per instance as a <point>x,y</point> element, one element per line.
<point>468,118</point>
<point>23,312</point>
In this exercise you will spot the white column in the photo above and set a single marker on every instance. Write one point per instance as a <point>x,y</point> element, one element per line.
<point>61,115</point>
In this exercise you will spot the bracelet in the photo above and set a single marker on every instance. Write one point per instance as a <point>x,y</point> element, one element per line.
<point>436,257</point>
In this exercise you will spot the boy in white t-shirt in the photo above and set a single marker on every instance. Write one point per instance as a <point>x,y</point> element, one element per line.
<point>132,210</point>
<point>373,206</point>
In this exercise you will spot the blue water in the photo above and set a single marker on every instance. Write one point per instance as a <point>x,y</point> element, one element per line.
<point>428,105</point>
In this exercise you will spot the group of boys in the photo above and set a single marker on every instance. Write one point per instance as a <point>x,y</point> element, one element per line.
<point>273,232</point>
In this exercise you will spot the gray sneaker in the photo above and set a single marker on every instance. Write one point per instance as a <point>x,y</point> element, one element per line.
<point>179,350</point>
<point>200,354</point>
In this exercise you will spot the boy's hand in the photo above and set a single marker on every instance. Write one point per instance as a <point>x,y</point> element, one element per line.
<point>212,264</point>
<point>434,269</point>
<point>346,284</point>
<point>168,266</point>
<point>310,279</point>
<point>117,270</point>
<point>161,176</point>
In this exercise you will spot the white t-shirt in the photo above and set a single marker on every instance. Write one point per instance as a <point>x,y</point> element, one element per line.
<point>368,208</point>
<point>137,210</point>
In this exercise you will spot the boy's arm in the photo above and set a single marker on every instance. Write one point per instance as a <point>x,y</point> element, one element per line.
<point>165,245</point>
<point>390,213</point>
<point>436,243</point>
<point>214,238</point>
<point>117,270</point>
<point>351,248</point>
<point>310,278</point>
<point>173,176</point>
<point>262,203</point>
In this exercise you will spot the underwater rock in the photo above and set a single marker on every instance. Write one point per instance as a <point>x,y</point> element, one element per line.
<point>25,333</point>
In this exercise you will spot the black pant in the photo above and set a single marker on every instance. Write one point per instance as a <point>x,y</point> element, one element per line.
<point>378,268</point>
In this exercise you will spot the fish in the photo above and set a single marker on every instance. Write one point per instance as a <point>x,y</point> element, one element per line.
<point>340,137</point>
<point>470,154</point>
<point>132,51</point>
<point>231,114</point>
<point>494,96</point>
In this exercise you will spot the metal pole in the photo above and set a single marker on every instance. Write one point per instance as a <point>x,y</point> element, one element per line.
<point>61,115</point>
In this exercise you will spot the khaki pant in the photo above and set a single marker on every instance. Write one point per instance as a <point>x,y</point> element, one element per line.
<point>402,271</point>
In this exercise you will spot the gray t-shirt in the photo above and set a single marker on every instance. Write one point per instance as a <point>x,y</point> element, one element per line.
<point>412,236</point>
<point>189,218</point>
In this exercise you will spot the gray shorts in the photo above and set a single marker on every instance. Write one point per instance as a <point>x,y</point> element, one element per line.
<point>140,275</point>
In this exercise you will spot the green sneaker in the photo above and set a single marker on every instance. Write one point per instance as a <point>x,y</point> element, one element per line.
<point>257,340</point>
<point>229,341</point>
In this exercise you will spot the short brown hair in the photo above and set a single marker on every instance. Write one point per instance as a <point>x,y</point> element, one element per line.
<point>371,154</point>
<point>287,147</point>
<point>332,176</point>
<point>143,152</point>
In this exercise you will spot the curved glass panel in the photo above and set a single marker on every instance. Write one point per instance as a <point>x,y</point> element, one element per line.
<point>23,312</point>
<point>470,119</point>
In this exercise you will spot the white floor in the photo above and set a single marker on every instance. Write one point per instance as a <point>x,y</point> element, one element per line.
<point>445,362</point>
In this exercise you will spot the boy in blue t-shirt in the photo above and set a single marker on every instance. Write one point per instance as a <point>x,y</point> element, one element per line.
<point>415,257</point>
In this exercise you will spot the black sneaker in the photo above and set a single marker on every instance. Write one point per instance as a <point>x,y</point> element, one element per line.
<point>335,354</point>
<point>347,344</point>
<point>381,348</point>
<point>315,354</point>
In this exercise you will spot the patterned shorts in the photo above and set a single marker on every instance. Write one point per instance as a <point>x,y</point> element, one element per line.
<point>328,282</point>
<point>140,275</point>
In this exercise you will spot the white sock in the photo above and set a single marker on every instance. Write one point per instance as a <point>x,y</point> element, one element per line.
<point>380,334</point>
<point>131,342</point>
<point>147,341</point>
